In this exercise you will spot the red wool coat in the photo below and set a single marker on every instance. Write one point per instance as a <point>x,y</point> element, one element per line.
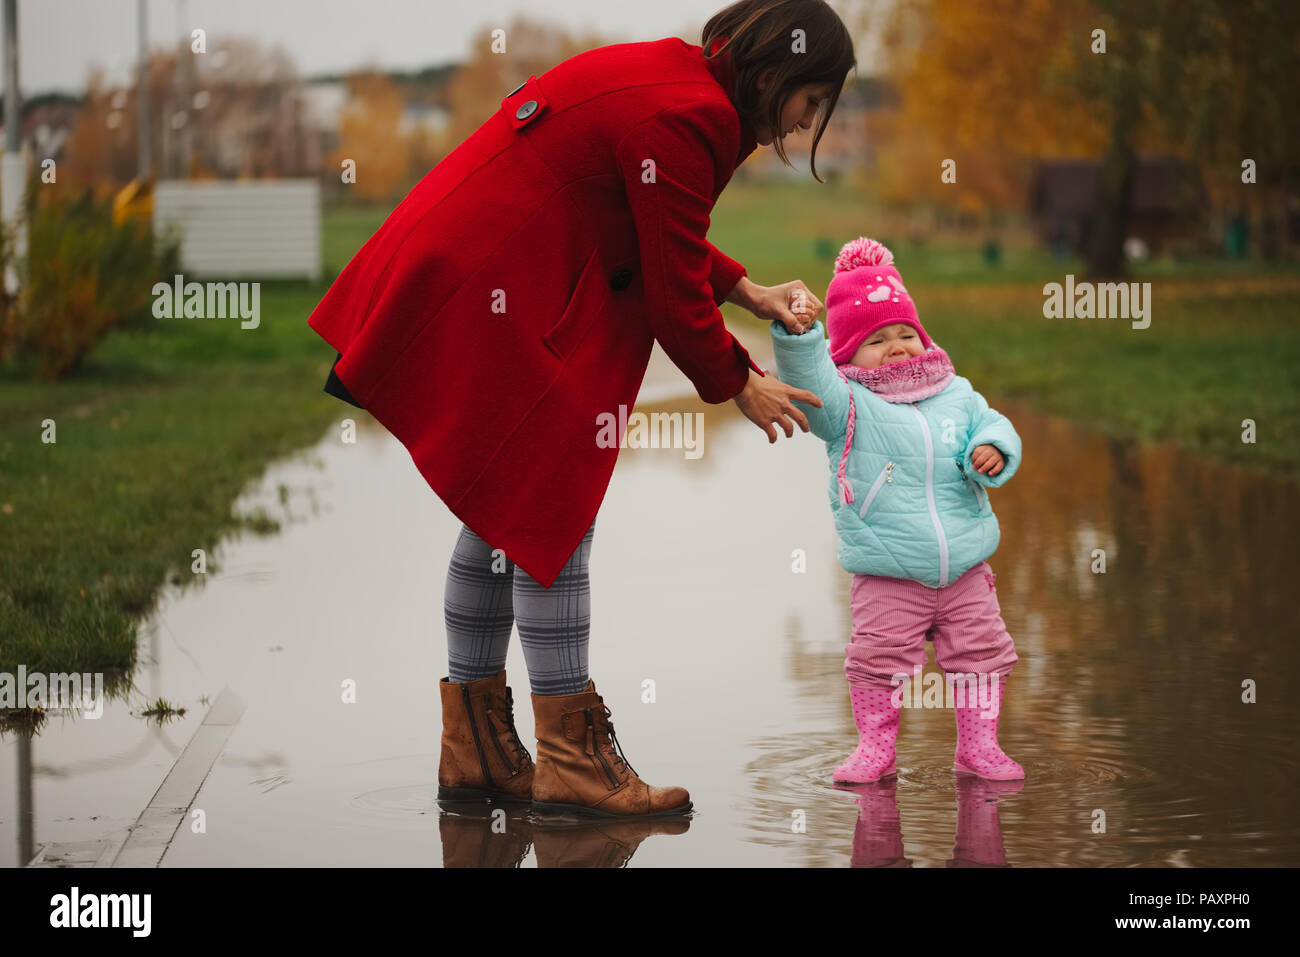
<point>515,293</point>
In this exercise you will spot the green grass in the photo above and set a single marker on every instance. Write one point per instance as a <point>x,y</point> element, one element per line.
<point>776,228</point>
<point>156,437</point>
<point>166,425</point>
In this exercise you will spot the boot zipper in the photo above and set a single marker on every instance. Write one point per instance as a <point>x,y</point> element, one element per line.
<point>492,728</point>
<point>473,730</point>
<point>591,727</point>
<point>886,475</point>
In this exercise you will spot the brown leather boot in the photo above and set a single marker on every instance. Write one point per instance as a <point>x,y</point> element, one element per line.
<point>579,772</point>
<point>482,756</point>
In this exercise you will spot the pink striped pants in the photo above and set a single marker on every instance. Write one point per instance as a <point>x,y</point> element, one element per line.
<point>893,617</point>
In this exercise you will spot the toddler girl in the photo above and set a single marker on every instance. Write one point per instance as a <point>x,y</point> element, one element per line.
<point>912,449</point>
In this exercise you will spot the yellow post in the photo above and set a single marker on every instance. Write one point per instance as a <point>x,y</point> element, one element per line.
<point>134,201</point>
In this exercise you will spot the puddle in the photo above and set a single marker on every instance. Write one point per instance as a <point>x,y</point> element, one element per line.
<point>1125,706</point>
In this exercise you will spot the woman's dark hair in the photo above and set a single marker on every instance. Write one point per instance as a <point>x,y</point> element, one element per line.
<point>761,37</point>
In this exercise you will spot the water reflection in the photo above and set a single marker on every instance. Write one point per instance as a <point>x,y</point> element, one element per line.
<point>878,833</point>
<point>484,836</point>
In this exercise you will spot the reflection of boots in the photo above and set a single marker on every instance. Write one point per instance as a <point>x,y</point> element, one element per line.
<point>878,835</point>
<point>579,772</point>
<point>607,844</point>
<point>979,833</point>
<point>483,838</point>
<point>482,756</point>
<point>877,720</point>
<point>978,751</point>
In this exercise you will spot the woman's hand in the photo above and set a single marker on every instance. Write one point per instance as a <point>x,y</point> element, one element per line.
<point>791,303</point>
<point>766,399</point>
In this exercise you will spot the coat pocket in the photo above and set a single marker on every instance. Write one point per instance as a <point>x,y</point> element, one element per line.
<point>886,475</point>
<point>585,304</point>
<point>980,495</point>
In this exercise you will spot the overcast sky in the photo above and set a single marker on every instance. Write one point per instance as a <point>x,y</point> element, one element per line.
<point>60,39</point>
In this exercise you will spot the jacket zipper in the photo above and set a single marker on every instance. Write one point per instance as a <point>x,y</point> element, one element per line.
<point>487,703</point>
<point>886,475</point>
<point>929,496</point>
<point>979,500</point>
<point>473,729</point>
<point>591,728</point>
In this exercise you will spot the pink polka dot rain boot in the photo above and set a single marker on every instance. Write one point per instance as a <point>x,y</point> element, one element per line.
<point>978,751</point>
<point>877,721</point>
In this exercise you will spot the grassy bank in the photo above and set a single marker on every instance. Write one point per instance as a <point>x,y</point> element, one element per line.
<point>156,437</point>
<point>163,428</point>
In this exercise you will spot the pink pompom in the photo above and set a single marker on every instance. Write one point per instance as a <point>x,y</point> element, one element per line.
<point>863,252</point>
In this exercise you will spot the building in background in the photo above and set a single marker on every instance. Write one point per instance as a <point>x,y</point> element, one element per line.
<point>1168,205</point>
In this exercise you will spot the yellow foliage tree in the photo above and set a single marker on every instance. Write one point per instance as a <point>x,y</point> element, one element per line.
<point>477,89</point>
<point>370,135</point>
<point>987,86</point>
<point>1005,82</point>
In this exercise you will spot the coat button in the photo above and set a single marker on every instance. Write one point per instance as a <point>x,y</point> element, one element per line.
<point>620,280</point>
<point>526,110</point>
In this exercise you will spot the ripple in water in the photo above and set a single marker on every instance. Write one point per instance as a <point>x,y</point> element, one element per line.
<point>412,804</point>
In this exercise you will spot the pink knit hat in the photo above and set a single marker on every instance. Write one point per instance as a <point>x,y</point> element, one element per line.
<point>866,293</point>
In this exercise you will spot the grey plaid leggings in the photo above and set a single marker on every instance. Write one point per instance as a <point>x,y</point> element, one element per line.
<point>486,596</point>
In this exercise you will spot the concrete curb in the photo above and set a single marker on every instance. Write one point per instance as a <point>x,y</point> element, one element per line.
<point>154,829</point>
<point>144,843</point>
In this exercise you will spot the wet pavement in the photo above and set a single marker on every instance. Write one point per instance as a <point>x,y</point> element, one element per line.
<point>1125,709</point>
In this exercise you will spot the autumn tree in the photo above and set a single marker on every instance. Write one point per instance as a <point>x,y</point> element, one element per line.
<point>1011,81</point>
<point>498,63</point>
<point>243,120</point>
<point>370,135</point>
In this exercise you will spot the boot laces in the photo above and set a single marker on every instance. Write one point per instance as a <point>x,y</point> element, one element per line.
<point>516,745</point>
<point>608,728</point>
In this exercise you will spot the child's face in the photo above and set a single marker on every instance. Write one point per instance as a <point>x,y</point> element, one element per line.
<point>888,344</point>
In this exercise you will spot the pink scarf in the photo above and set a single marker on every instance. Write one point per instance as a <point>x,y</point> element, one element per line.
<point>911,380</point>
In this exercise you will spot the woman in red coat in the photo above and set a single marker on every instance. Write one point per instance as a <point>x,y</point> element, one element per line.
<point>513,298</point>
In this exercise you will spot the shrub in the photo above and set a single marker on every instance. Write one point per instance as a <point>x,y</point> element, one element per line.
<point>83,274</point>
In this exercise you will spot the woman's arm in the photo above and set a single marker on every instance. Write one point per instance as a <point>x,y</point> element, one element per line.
<point>725,275</point>
<point>668,170</point>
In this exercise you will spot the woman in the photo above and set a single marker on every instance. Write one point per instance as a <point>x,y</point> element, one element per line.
<point>513,297</point>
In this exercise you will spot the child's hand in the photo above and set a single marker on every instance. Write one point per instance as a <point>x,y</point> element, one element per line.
<point>804,308</point>
<point>987,460</point>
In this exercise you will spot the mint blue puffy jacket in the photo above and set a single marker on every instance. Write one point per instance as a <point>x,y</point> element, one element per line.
<point>920,508</point>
